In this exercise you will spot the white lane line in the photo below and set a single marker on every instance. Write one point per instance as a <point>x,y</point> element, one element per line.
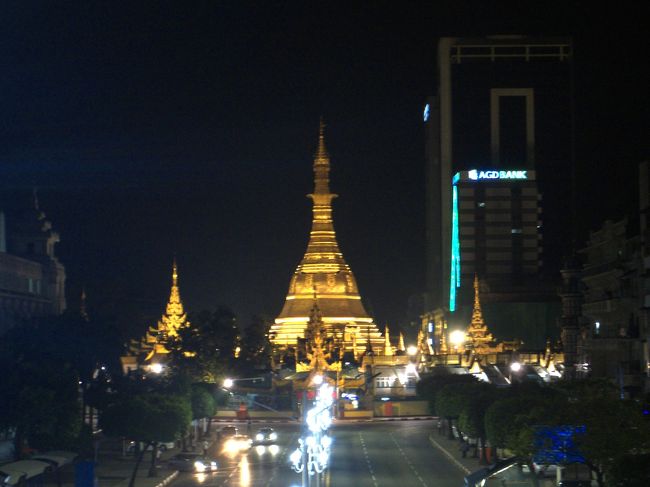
<point>408,461</point>
<point>365,452</point>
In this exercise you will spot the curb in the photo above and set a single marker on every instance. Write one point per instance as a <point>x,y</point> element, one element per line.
<point>167,480</point>
<point>449,455</point>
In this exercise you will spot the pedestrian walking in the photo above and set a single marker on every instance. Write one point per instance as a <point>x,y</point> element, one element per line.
<point>205,447</point>
<point>464,448</point>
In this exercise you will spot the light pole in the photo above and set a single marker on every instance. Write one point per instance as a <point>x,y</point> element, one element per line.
<point>514,367</point>
<point>311,457</point>
<point>457,338</point>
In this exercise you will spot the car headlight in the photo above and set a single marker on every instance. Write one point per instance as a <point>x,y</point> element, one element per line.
<point>259,436</point>
<point>273,436</point>
<point>199,466</point>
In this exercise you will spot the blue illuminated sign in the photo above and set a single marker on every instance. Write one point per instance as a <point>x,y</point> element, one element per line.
<point>454,278</point>
<point>425,115</point>
<point>476,174</point>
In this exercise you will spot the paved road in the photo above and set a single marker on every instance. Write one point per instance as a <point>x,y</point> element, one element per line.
<point>371,454</point>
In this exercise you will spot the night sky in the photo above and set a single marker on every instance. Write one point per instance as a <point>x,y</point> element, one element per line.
<point>189,128</point>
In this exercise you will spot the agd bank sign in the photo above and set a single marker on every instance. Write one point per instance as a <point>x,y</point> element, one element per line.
<point>476,174</point>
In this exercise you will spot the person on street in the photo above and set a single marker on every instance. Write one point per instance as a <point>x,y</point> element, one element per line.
<point>205,447</point>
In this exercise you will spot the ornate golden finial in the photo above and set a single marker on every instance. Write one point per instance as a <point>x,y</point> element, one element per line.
<point>175,315</point>
<point>478,335</point>
<point>401,347</point>
<point>388,349</point>
<point>318,358</point>
<point>321,157</point>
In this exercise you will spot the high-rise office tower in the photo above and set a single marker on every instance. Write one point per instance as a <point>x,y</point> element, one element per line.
<point>499,149</point>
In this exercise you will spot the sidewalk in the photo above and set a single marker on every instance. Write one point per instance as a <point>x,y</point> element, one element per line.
<point>114,470</point>
<point>450,449</point>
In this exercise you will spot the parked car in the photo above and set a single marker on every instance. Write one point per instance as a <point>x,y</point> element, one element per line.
<point>192,462</point>
<point>237,443</point>
<point>227,432</point>
<point>161,446</point>
<point>265,436</point>
<point>13,474</point>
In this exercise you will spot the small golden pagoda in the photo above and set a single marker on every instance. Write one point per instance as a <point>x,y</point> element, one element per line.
<point>151,348</point>
<point>324,271</point>
<point>478,336</point>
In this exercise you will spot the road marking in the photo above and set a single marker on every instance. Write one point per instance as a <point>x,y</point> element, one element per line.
<point>449,455</point>
<point>408,461</point>
<point>365,452</point>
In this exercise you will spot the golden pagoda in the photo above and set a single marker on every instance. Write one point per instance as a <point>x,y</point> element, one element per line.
<point>478,336</point>
<point>324,271</point>
<point>151,348</point>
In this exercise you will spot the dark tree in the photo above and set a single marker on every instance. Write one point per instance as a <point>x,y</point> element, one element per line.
<point>38,390</point>
<point>205,348</point>
<point>256,347</point>
<point>149,419</point>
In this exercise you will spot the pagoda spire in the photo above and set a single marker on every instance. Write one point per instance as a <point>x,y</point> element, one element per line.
<point>478,335</point>
<point>318,361</point>
<point>323,267</point>
<point>175,315</point>
<point>388,349</point>
<point>401,347</point>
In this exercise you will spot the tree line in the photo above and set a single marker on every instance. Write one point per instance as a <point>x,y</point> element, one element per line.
<point>53,369</point>
<point>608,434</point>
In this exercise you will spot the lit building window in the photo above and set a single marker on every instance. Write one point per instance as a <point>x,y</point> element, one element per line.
<point>516,231</point>
<point>430,327</point>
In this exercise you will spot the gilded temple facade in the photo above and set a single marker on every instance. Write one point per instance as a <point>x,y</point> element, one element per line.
<point>324,275</point>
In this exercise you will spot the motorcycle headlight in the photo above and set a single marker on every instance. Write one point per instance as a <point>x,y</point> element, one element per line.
<point>259,436</point>
<point>274,436</point>
<point>199,466</point>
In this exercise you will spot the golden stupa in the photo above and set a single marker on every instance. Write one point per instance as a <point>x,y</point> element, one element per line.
<point>169,323</point>
<point>324,273</point>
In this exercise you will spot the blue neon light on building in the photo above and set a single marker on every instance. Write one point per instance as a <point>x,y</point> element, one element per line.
<point>454,278</point>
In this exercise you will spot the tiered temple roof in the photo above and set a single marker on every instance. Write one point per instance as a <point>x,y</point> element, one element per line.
<point>478,336</point>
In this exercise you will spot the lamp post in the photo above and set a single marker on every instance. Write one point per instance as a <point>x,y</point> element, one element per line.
<point>457,338</point>
<point>515,367</point>
<point>311,457</point>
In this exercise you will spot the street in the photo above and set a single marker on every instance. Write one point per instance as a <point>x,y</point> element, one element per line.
<point>364,454</point>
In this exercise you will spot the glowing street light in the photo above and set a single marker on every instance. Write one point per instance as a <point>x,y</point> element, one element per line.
<point>515,366</point>
<point>317,379</point>
<point>457,338</point>
<point>156,368</point>
<point>412,350</point>
<point>228,383</point>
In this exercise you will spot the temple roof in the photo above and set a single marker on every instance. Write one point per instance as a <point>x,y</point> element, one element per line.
<point>478,335</point>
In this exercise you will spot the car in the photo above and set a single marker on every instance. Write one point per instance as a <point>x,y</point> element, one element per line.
<point>227,432</point>
<point>265,436</point>
<point>192,462</point>
<point>161,446</point>
<point>237,443</point>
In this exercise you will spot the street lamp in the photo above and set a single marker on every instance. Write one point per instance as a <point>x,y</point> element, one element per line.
<point>228,383</point>
<point>156,368</point>
<point>515,367</point>
<point>412,350</point>
<point>457,338</point>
